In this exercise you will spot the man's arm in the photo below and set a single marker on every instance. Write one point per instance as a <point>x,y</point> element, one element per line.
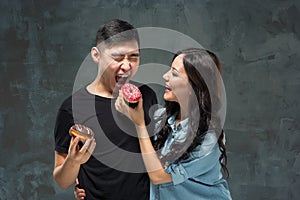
<point>66,166</point>
<point>65,172</point>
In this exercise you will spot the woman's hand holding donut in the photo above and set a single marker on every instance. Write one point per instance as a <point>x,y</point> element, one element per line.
<point>134,114</point>
<point>80,155</point>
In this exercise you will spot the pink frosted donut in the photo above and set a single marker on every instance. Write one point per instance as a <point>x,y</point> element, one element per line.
<point>131,94</point>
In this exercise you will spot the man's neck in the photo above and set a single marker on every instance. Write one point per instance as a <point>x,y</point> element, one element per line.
<point>98,89</point>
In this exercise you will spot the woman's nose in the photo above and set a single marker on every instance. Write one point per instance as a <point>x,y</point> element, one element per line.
<point>166,76</point>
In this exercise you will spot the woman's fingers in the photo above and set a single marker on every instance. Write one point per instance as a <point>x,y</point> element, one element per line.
<point>140,105</point>
<point>79,193</point>
<point>135,114</point>
<point>120,94</point>
<point>120,104</point>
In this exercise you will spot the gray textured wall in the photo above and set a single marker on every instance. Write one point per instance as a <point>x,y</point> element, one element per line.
<point>44,42</point>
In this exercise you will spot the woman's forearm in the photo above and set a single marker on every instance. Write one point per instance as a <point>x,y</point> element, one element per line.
<point>152,163</point>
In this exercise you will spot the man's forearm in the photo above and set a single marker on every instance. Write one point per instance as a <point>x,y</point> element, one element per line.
<point>66,174</point>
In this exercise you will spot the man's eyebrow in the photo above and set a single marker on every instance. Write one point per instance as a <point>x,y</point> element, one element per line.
<point>121,54</point>
<point>117,54</point>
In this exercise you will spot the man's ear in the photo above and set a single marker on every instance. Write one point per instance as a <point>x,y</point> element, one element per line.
<point>95,53</point>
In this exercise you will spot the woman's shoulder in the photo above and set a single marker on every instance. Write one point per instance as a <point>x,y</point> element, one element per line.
<point>158,118</point>
<point>159,113</point>
<point>210,141</point>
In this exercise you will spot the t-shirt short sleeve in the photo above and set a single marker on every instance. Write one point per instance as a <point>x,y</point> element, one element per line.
<point>64,121</point>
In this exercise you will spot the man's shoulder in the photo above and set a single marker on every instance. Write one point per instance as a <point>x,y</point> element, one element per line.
<point>66,105</point>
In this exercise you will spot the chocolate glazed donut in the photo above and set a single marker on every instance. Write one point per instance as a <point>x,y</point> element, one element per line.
<point>81,131</point>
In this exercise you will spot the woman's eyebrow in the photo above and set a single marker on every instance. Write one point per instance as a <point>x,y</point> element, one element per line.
<point>174,69</point>
<point>135,54</point>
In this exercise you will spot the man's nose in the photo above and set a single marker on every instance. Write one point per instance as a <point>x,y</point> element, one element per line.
<point>126,65</point>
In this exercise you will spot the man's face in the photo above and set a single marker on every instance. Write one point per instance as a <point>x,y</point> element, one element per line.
<point>117,61</point>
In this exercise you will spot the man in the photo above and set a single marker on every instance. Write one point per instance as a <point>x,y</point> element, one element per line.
<point>112,169</point>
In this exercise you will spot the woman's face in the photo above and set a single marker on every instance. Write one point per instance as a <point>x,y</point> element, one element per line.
<point>176,82</point>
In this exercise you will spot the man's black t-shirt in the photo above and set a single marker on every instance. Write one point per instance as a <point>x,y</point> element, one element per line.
<point>115,170</point>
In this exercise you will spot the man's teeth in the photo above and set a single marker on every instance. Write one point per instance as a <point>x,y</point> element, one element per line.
<point>121,78</point>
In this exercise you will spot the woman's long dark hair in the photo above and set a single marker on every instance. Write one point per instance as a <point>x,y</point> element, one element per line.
<point>196,62</point>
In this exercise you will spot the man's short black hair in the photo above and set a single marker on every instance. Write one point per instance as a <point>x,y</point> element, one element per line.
<point>116,31</point>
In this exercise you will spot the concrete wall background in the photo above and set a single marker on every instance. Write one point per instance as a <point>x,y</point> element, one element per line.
<point>43,44</point>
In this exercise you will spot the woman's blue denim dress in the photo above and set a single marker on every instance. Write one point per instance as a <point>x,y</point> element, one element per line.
<point>199,176</point>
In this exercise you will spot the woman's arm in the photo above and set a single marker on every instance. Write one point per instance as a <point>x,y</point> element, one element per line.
<point>152,163</point>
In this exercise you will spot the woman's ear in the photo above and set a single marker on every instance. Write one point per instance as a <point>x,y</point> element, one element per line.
<point>95,54</point>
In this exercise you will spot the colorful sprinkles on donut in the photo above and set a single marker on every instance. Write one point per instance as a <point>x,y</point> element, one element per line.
<point>131,94</point>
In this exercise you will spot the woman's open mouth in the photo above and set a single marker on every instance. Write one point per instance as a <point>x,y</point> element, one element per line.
<point>167,89</point>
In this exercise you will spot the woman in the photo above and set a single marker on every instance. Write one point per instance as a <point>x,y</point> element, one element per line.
<point>185,158</point>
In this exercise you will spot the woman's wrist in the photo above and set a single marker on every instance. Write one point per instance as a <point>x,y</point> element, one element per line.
<point>139,122</point>
<point>142,131</point>
<point>141,125</point>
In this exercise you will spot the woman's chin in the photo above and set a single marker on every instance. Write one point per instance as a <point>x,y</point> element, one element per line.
<point>168,98</point>
<point>165,97</point>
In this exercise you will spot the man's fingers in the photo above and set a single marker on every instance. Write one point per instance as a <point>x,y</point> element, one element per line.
<point>85,147</point>
<point>89,146</point>
<point>74,143</point>
<point>92,146</point>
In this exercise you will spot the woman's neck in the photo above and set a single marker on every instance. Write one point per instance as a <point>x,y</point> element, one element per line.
<point>181,115</point>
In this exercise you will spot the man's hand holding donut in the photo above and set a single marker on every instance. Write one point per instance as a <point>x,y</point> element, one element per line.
<point>67,165</point>
<point>80,155</point>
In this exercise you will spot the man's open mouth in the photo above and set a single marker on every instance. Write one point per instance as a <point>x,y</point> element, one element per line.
<point>122,79</point>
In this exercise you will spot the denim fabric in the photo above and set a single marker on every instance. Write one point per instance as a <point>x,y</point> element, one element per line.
<point>199,176</point>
